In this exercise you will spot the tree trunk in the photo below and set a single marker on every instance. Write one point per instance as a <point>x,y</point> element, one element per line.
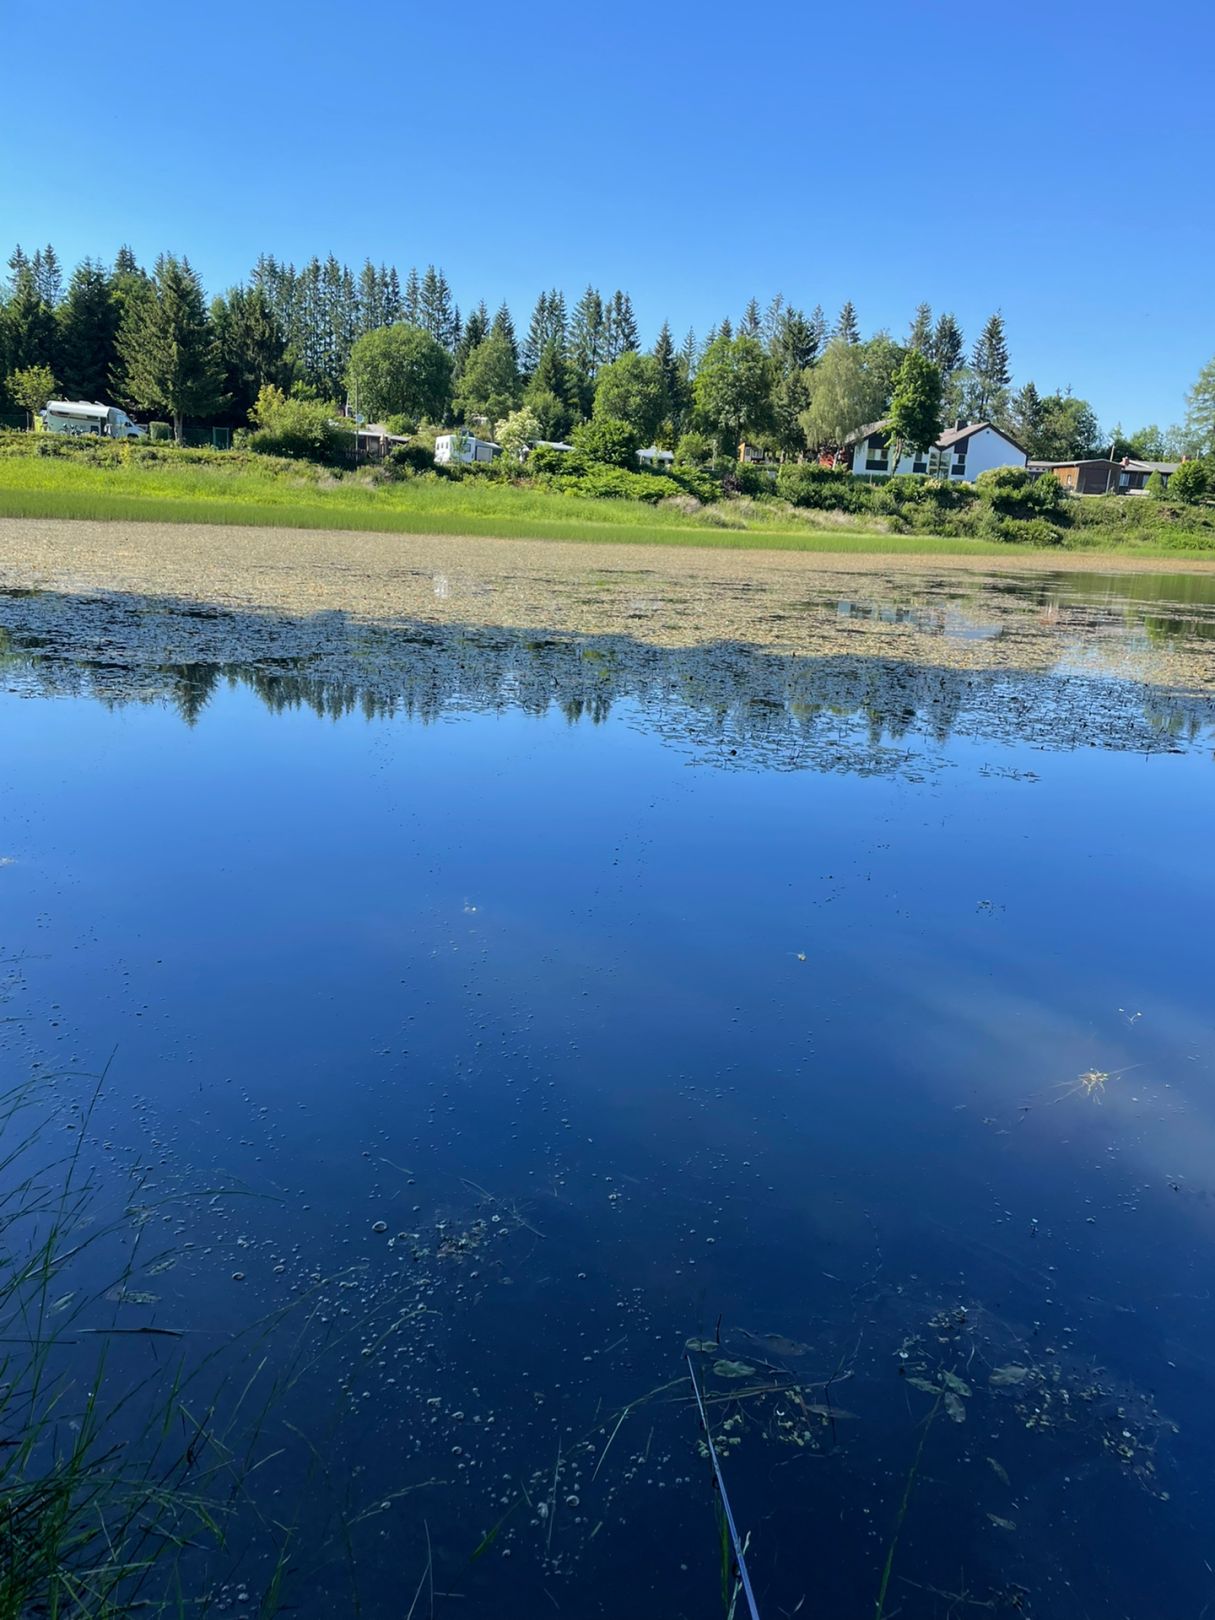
<point>179,423</point>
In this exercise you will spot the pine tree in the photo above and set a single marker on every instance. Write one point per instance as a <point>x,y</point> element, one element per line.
<point>672,376</point>
<point>391,285</point>
<point>793,343</point>
<point>725,330</point>
<point>371,299</point>
<point>620,327</point>
<point>947,346</point>
<point>587,346</point>
<point>689,355</point>
<point>88,333</point>
<point>48,277</point>
<point>818,328</point>
<point>125,262</point>
<point>547,325</point>
<point>846,327</point>
<point>919,337</point>
<point>250,346</point>
<point>167,348</point>
<point>413,298</point>
<point>773,316</point>
<point>548,391</point>
<point>28,325</point>
<point>504,326</point>
<point>989,364</point>
<point>476,330</point>
<point>751,323</point>
<point>1027,414</point>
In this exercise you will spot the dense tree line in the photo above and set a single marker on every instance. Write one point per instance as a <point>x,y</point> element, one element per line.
<point>792,382</point>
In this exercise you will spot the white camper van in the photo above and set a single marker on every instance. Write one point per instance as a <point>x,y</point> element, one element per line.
<point>81,416</point>
<point>465,447</point>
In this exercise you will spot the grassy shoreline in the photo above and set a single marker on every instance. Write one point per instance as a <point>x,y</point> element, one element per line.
<point>223,490</point>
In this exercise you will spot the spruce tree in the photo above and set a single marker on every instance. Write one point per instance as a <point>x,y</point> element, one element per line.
<point>88,333</point>
<point>989,364</point>
<point>620,327</point>
<point>587,346</point>
<point>504,326</point>
<point>846,326</point>
<point>818,329</point>
<point>28,324</point>
<point>250,346</point>
<point>167,349</point>
<point>48,277</point>
<point>751,323</point>
<point>689,354</point>
<point>793,343</point>
<point>476,330</point>
<point>413,298</point>
<point>919,337</point>
<point>947,347</point>
<point>537,335</point>
<point>1027,413</point>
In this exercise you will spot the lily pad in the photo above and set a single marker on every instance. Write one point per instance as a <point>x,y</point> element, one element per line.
<point>1001,1524</point>
<point>732,1369</point>
<point>953,1405</point>
<point>703,1347</point>
<point>1013,1373</point>
<point>958,1385</point>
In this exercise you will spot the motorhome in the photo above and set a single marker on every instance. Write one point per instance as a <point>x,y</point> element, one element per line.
<point>83,416</point>
<point>464,447</point>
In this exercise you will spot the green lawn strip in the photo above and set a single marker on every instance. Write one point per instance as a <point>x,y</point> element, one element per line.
<point>110,507</point>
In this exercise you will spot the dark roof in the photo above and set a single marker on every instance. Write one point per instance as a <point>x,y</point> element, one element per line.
<point>956,435</point>
<point>870,427</point>
<point>1150,466</point>
<point>1075,461</point>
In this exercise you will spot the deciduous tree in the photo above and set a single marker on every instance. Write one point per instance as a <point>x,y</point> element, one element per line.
<point>632,389</point>
<point>915,405</point>
<point>400,371</point>
<point>733,390</point>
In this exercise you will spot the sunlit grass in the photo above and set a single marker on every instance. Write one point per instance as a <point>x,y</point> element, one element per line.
<point>238,491</point>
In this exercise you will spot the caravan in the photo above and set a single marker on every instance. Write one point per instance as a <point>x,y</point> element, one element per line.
<point>81,416</point>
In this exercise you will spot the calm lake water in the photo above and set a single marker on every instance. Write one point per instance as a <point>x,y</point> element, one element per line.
<point>564,1006</point>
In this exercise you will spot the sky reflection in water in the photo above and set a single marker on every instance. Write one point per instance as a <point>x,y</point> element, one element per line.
<point>662,990</point>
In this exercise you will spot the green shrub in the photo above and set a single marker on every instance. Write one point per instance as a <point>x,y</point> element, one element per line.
<point>412,458</point>
<point>1155,487</point>
<point>1189,484</point>
<point>1026,531</point>
<point>563,463</point>
<point>693,450</point>
<point>160,432</point>
<point>608,441</point>
<point>827,489</point>
<point>614,483</point>
<point>300,429</point>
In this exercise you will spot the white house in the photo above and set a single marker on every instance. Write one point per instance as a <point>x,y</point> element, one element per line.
<point>465,447</point>
<point>653,457</point>
<point>961,453</point>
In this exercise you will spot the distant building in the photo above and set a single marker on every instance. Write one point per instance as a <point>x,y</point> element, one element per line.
<point>1098,475</point>
<point>465,447</point>
<point>962,453</point>
<point>653,457</point>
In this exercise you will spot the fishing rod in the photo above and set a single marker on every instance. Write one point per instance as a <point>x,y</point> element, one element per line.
<point>743,1576</point>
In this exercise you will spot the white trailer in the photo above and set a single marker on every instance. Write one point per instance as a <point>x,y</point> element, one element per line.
<point>465,447</point>
<point>85,416</point>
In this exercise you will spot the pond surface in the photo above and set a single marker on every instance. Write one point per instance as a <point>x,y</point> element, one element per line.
<point>551,1003</point>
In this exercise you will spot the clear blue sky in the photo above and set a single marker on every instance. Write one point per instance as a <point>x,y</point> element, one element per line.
<point>1052,159</point>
